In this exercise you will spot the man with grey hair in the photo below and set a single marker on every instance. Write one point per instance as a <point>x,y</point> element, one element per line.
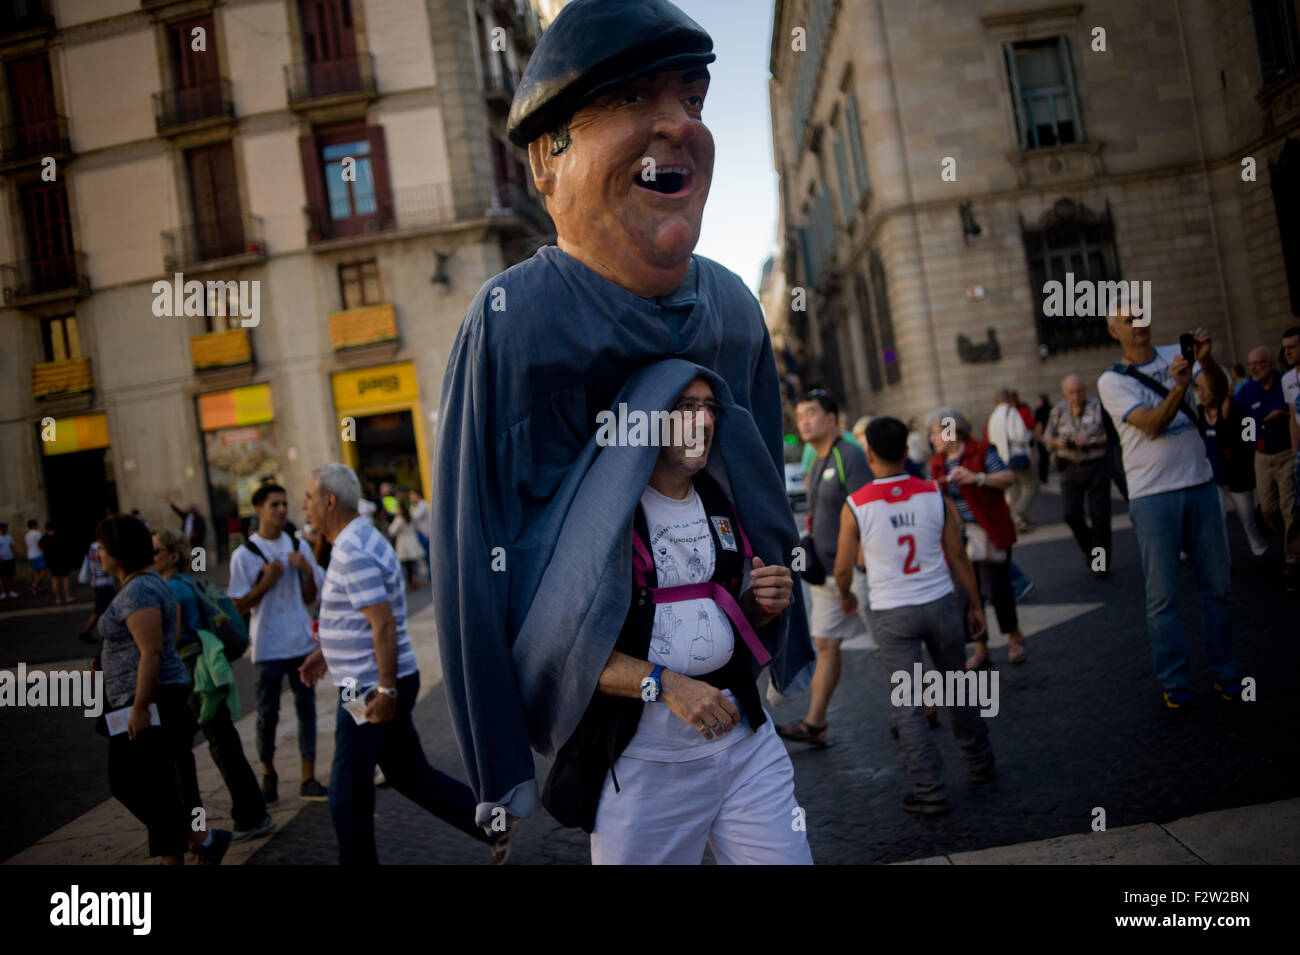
<point>364,644</point>
<point>1173,501</point>
<point>1076,432</point>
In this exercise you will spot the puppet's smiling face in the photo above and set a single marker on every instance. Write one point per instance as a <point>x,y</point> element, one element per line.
<point>609,211</point>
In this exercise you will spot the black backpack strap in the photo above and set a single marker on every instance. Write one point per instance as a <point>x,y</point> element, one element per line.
<point>256,550</point>
<point>1162,391</point>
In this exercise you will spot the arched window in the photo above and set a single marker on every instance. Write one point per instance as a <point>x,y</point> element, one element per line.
<point>1069,239</point>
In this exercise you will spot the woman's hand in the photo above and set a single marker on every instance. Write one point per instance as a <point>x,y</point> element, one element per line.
<point>138,721</point>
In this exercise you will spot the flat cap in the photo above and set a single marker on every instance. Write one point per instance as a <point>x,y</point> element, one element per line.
<point>594,46</point>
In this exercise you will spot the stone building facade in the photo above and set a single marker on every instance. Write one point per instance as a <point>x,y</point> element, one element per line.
<point>941,162</point>
<point>238,238</point>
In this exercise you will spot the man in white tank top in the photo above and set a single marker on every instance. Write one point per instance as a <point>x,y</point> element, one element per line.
<point>911,538</point>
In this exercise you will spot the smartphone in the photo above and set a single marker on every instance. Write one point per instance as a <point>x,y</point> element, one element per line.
<point>1187,343</point>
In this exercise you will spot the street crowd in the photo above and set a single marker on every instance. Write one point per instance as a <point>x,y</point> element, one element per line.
<point>647,587</point>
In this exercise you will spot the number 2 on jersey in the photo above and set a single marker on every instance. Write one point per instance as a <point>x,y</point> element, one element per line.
<point>910,566</point>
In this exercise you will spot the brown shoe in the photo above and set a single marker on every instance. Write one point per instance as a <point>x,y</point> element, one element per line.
<point>801,731</point>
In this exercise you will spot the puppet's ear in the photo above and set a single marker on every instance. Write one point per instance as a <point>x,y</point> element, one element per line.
<point>543,164</point>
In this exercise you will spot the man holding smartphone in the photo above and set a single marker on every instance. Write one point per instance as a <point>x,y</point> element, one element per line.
<point>1076,433</point>
<point>364,644</point>
<point>1173,501</point>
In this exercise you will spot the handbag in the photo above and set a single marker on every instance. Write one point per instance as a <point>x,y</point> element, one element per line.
<point>979,547</point>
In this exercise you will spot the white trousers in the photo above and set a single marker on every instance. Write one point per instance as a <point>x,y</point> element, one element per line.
<point>1243,503</point>
<point>739,801</point>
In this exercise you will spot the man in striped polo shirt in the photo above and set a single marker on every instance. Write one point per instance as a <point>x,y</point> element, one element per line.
<point>364,644</point>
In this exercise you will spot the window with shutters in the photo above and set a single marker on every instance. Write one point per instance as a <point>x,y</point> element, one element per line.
<point>854,128</point>
<point>884,317</point>
<point>196,90</point>
<point>35,129</point>
<point>1276,40</point>
<point>48,231</point>
<point>330,46</point>
<point>847,197</point>
<point>214,201</point>
<point>359,283</point>
<point>1043,92</point>
<point>347,180</point>
<point>60,338</point>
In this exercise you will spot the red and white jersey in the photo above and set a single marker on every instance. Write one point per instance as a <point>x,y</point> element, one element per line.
<point>901,523</point>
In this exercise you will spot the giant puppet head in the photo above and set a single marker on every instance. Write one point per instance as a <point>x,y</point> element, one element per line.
<point>610,110</point>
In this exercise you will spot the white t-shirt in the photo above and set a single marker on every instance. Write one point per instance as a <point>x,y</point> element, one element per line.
<point>1174,460</point>
<point>32,540</point>
<point>280,624</point>
<point>901,522</point>
<point>1291,390</point>
<point>692,637</point>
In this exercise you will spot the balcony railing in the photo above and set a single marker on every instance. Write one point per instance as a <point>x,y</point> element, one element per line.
<point>20,16</point>
<point>36,277</point>
<point>420,207</point>
<point>367,325</point>
<point>175,108</point>
<point>351,76</point>
<point>57,379</point>
<point>207,241</point>
<point>224,349</point>
<point>34,140</point>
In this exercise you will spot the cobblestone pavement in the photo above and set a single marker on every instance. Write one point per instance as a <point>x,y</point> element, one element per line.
<point>1081,726</point>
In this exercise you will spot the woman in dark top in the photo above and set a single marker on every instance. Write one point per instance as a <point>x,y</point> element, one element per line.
<point>1233,462</point>
<point>148,765</point>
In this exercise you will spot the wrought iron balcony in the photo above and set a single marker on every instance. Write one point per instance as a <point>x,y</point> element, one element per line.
<point>32,141</point>
<point>350,77</point>
<point>22,16</point>
<point>212,240</point>
<point>229,348</point>
<point>413,208</point>
<point>174,109</point>
<point>35,278</point>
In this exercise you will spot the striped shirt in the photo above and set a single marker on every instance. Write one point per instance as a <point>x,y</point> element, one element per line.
<point>992,465</point>
<point>363,571</point>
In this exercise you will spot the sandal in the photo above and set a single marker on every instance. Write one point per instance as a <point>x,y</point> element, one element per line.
<point>801,731</point>
<point>980,659</point>
<point>1018,652</point>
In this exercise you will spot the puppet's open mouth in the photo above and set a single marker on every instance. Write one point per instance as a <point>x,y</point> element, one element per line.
<point>665,180</point>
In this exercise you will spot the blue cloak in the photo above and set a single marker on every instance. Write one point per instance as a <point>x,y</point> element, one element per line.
<point>545,346</point>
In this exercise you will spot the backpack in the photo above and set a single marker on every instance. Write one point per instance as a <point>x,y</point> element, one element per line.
<point>288,529</point>
<point>217,613</point>
<point>1114,450</point>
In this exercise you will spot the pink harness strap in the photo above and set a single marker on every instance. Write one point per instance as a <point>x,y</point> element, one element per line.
<point>707,590</point>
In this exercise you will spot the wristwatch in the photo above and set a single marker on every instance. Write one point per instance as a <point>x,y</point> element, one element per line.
<point>982,478</point>
<point>388,691</point>
<point>651,686</point>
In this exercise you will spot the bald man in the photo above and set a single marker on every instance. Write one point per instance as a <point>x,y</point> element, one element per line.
<point>1262,399</point>
<point>1076,433</point>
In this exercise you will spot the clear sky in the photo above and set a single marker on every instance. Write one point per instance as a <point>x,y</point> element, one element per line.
<point>740,217</point>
